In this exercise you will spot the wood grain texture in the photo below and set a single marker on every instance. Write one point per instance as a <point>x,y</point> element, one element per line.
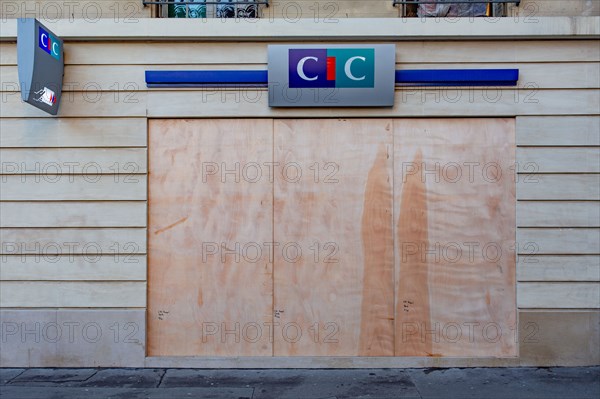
<point>443,208</point>
<point>210,271</point>
<point>73,132</point>
<point>341,298</point>
<point>377,303</point>
<point>413,270</point>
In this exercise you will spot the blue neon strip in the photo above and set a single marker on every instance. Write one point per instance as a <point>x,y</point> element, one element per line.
<point>206,77</point>
<point>424,77</point>
<point>446,76</point>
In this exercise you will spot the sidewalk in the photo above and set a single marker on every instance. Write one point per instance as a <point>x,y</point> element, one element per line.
<point>513,383</point>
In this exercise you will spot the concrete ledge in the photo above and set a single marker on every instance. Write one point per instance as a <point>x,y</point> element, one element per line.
<point>546,339</point>
<point>362,29</point>
<point>116,338</point>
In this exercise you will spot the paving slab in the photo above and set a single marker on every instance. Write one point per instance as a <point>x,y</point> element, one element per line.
<point>302,384</point>
<point>125,378</point>
<point>467,383</point>
<point>514,383</point>
<point>54,375</point>
<point>8,374</point>
<point>16,392</point>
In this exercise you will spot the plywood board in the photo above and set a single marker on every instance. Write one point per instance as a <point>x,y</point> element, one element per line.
<point>454,221</point>
<point>340,205</point>
<point>333,267</point>
<point>210,225</point>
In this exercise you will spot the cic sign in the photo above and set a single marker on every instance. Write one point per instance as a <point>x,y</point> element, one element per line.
<point>40,61</point>
<point>332,75</point>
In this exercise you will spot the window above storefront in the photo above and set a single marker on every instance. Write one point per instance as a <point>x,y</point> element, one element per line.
<point>454,8</point>
<point>208,8</point>
<point>255,8</point>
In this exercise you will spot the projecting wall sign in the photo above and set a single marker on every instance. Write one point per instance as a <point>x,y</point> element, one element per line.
<point>332,75</point>
<point>40,61</point>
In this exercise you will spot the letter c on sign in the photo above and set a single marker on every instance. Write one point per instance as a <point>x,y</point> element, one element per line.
<point>300,68</point>
<point>44,43</point>
<point>55,48</point>
<point>348,65</point>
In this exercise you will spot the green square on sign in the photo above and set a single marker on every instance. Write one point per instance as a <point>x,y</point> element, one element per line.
<point>354,67</point>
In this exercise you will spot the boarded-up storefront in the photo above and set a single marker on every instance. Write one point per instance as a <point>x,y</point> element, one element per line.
<point>329,237</point>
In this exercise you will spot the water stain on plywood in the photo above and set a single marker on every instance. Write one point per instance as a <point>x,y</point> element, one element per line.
<point>412,309</point>
<point>377,311</point>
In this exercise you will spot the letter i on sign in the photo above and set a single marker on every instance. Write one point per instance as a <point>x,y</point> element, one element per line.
<point>330,68</point>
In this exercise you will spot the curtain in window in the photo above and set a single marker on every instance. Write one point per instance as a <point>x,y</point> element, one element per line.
<point>228,8</point>
<point>187,10</point>
<point>445,8</point>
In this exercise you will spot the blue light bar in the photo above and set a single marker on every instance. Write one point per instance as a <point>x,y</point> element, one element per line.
<point>206,78</point>
<point>454,77</point>
<point>259,78</point>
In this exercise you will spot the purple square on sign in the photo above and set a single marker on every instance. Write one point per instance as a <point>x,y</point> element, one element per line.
<point>308,68</point>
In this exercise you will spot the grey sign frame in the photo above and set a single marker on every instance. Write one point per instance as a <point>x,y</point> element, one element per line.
<point>381,95</point>
<point>40,73</point>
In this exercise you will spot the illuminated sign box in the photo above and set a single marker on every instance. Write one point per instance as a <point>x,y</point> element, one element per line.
<point>40,59</point>
<point>332,75</point>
